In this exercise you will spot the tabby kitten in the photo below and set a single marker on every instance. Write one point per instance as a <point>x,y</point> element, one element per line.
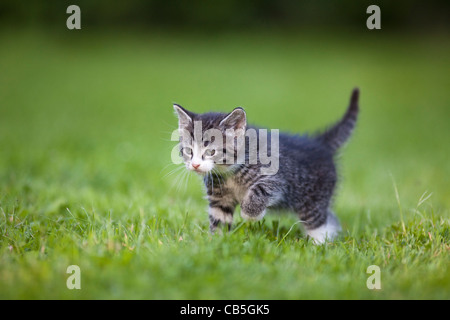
<point>304,181</point>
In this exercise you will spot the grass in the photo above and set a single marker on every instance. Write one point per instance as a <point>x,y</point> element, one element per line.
<point>85,123</point>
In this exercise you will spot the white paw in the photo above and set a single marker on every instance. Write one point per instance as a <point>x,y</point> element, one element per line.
<point>328,231</point>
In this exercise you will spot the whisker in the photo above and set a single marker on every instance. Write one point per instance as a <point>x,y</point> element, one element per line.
<point>183,184</point>
<point>170,163</point>
<point>179,181</point>
<point>186,182</point>
<point>173,171</point>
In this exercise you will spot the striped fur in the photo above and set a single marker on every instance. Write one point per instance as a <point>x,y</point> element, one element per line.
<point>304,183</point>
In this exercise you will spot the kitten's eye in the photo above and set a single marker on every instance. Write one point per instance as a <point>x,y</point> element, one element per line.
<point>210,152</point>
<point>186,151</point>
<point>208,142</point>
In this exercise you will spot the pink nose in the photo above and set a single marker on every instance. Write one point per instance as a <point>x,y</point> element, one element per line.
<point>195,165</point>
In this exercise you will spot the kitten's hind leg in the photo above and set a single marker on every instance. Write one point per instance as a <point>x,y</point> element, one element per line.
<point>327,230</point>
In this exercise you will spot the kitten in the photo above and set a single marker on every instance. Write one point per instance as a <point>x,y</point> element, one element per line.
<point>304,181</point>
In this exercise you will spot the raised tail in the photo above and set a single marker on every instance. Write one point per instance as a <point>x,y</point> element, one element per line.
<point>335,136</point>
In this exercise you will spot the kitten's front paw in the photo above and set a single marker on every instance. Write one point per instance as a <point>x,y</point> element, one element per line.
<point>219,217</point>
<point>252,216</point>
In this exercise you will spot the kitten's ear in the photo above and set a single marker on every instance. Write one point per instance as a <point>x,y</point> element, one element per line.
<point>236,120</point>
<point>184,116</point>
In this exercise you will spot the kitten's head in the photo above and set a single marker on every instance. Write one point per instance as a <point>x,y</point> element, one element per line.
<point>204,137</point>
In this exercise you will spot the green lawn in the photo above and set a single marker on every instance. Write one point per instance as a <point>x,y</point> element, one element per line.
<point>85,172</point>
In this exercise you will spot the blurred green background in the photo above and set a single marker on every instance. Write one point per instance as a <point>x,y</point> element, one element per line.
<point>85,123</point>
<point>209,16</point>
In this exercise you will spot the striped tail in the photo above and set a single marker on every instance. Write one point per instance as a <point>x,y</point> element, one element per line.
<point>338,134</point>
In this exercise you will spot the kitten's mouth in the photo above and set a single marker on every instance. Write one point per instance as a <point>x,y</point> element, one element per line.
<point>199,171</point>
<point>202,173</point>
